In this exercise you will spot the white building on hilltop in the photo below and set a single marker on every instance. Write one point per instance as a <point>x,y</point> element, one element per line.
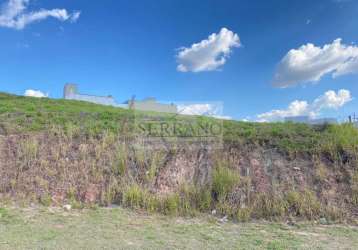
<point>70,92</point>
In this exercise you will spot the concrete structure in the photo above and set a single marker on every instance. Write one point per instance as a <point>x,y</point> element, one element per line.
<point>308,120</point>
<point>151,104</point>
<point>70,92</point>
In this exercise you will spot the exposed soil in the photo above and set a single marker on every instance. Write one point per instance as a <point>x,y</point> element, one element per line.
<point>35,165</point>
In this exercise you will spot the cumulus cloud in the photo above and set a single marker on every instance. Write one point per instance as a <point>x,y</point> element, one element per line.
<point>35,93</point>
<point>310,63</point>
<point>14,14</point>
<point>209,54</point>
<point>329,100</point>
<point>203,109</point>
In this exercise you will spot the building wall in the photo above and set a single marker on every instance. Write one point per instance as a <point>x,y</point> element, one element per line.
<point>70,92</point>
<point>94,99</point>
<point>152,105</point>
<point>69,89</point>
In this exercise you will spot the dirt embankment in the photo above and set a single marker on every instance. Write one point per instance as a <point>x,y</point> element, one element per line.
<point>54,168</point>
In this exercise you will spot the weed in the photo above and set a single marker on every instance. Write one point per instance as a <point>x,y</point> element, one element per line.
<point>303,204</point>
<point>321,173</point>
<point>243,214</point>
<point>29,150</point>
<point>269,206</point>
<point>171,204</point>
<point>71,130</point>
<point>204,199</point>
<point>354,187</point>
<point>46,199</point>
<point>224,180</point>
<point>193,199</point>
<point>154,165</point>
<point>151,203</point>
<point>333,214</point>
<point>225,208</point>
<point>120,166</point>
<point>133,197</point>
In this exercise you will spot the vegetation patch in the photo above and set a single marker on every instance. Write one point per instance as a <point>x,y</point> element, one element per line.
<point>58,152</point>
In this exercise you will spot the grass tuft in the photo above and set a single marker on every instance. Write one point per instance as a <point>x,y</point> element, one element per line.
<point>224,181</point>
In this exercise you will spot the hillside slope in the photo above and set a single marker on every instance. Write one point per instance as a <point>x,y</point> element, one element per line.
<point>57,151</point>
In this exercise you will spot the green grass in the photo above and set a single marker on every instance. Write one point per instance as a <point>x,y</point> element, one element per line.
<point>103,228</point>
<point>24,114</point>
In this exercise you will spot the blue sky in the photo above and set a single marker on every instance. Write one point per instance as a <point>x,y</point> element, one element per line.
<point>131,47</point>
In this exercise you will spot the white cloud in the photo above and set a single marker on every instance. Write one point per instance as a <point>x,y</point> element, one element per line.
<point>209,54</point>
<point>295,108</point>
<point>203,109</point>
<point>329,100</point>
<point>75,16</point>
<point>332,100</point>
<point>13,14</point>
<point>35,93</point>
<point>310,63</point>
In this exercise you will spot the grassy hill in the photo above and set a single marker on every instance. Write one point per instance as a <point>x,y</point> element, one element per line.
<point>25,114</point>
<point>60,151</point>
